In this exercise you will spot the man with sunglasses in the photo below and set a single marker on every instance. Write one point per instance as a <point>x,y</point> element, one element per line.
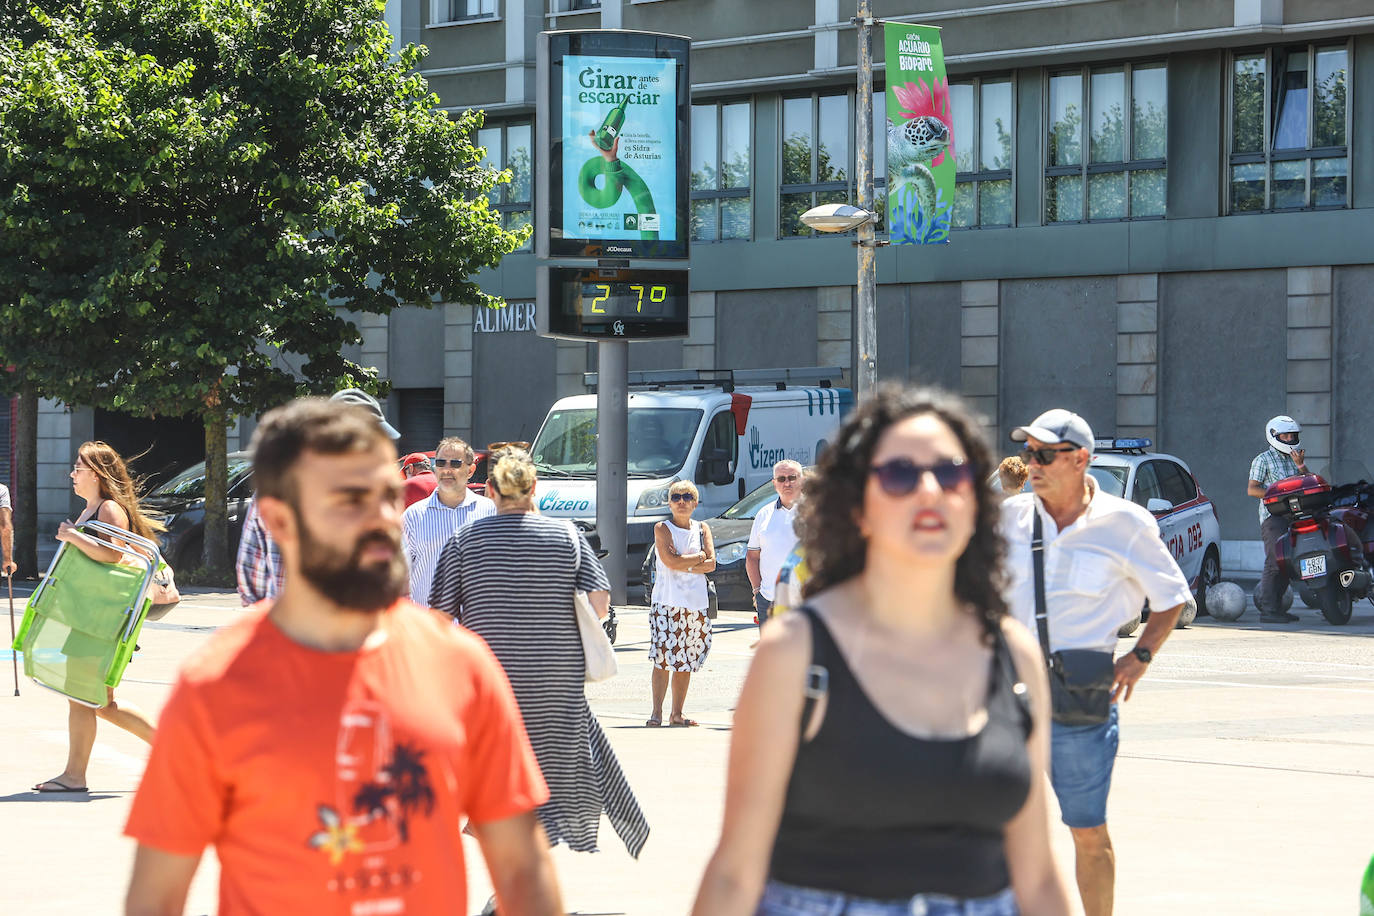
<point>428,524</point>
<point>1102,558</point>
<point>772,536</point>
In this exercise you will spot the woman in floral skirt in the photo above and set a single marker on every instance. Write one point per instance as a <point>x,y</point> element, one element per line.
<point>679,629</point>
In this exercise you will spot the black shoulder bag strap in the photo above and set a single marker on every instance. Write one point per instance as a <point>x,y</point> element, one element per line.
<point>1042,621</point>
<point>817,675</point>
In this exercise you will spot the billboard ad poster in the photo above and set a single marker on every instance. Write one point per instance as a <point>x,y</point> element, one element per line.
<point>619,147</point>
<point>920,136</point>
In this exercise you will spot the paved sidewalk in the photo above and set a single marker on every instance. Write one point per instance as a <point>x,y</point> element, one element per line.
<point>1244,786</point>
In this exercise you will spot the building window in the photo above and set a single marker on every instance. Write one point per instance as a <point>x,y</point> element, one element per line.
<point>1289,127</point>
<point>816,159</point>
<point>462,10</point>
<point>722,171</point>
<point>1116,171</point>
<point>982,110</point>
<point>508,146</point>
<point>573,6</point>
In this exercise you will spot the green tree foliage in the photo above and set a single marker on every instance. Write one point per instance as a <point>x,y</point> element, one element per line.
<point>189,186</point>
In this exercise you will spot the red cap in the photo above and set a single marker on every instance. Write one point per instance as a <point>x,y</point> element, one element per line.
<point>414,458</point>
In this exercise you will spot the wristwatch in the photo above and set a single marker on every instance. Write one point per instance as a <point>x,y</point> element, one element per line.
<point>1142,653</point>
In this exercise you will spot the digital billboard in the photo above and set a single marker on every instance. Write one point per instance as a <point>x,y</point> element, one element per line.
<point>614,117</point>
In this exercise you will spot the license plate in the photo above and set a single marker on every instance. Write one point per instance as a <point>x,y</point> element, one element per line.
<point>1311,567</point>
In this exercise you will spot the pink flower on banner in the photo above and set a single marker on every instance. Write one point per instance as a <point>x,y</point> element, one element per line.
<point>918,100</point>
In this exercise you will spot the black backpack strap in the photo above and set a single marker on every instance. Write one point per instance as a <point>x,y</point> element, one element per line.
<point>1042,622</point>
<point>817,675</point>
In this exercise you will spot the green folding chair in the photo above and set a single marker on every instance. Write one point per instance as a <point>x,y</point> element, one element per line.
<point>82,622</point>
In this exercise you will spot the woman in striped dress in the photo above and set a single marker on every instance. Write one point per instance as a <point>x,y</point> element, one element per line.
<point>510,579</point>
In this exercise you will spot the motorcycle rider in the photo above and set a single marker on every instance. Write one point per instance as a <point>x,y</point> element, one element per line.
<point>1282,459</point>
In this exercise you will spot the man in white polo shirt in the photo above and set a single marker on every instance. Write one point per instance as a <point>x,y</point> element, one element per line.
<point>428,524</point>
<point>1102,557</point>
<point>773,537</point>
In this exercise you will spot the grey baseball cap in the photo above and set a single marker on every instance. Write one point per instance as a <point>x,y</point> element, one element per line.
<point>359,398</point>
<point>1055,426</point>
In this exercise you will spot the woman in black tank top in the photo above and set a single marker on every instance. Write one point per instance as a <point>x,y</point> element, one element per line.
<point>891,739</point>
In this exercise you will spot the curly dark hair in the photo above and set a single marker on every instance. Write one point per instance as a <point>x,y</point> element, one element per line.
<point>834,496</point>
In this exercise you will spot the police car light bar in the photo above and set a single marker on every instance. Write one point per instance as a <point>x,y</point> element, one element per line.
<point>1121,445</point>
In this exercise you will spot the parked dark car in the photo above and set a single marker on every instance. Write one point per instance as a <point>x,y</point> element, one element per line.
<point>730,531</point>
<point>180,503</point>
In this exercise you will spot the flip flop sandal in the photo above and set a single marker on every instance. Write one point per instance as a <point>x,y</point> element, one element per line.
<point>61,787</point>
<point>653,722</point>
<point>684,723</point>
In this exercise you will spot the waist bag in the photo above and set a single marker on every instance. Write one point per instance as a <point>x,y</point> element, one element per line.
<point>1080,679</point>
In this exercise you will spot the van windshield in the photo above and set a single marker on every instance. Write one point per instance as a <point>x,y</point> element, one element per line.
<point>660,439</point>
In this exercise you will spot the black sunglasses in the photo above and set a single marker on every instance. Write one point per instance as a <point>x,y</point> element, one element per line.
<point>449,462</point>
<point>900,476</point>
<point>787,478</point>
<point>1044,456</point>
<point>682,498</point>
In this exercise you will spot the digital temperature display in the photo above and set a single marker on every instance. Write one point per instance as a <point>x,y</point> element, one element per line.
<point>603,299</point>
<point>598,303</point>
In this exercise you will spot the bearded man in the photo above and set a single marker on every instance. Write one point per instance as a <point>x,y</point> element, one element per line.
<point>330,742</point>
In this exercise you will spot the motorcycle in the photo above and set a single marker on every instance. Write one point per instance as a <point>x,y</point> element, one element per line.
<point>1328,550</point>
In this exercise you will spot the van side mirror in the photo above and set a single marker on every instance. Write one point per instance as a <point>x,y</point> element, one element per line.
<point>714,467</point>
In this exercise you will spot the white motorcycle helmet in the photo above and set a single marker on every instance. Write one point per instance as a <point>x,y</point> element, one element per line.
<point>1279,426</point>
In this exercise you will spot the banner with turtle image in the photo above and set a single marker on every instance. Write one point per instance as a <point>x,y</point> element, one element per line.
<point>920,136</point>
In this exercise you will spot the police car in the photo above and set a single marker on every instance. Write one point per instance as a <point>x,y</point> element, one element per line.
<point>1165,486</point>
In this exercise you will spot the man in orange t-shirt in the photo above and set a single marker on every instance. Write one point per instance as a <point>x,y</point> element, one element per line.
<point>330,743</point>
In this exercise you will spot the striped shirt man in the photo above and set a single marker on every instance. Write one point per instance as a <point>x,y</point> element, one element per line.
<point>427,526</point>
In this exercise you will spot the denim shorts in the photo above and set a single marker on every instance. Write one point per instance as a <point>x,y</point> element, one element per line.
<point>790,900</point>
<point>1081,761</point>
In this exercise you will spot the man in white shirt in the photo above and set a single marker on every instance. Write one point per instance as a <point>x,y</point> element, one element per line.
<point>772,537</point>
<point>1103,557</point>
<point>7,565</point>
<point>428,524</point>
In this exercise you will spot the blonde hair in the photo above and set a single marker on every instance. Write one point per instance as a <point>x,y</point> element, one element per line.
<point>117,485</point>
<point>684,486</point>
<point>512,476</point>
<point>1013,470</point>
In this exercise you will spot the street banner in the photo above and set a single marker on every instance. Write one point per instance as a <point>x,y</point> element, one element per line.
<point>620,117</point>
<point>920,136</point>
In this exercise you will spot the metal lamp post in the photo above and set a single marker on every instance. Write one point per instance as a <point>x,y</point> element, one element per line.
<point>843,217</point>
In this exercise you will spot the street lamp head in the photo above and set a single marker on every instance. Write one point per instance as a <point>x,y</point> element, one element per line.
<point>837,217</point>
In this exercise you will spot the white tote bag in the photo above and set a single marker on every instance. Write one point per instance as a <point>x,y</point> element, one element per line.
<point>596,645</point>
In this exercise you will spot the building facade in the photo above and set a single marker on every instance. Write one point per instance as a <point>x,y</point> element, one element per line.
<point>1164,215</point>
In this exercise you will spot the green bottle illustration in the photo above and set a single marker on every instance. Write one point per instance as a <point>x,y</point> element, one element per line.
<point>609,131</point>
<point>1367,891</point>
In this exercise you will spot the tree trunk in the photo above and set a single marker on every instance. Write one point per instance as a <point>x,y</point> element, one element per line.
<point>26,482</point>
<point>217,562</point>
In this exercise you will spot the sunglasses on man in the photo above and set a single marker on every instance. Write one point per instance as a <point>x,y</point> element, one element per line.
<point>787,478</point>
<point>901,476</point>
<point>1044,456</point>
<point>449,462</point>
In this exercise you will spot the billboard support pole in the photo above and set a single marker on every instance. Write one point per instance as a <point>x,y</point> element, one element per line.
<point>612,415</point>
<point>866,372</point>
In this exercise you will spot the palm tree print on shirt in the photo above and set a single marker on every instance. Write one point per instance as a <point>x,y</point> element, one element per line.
<point>404,780</point>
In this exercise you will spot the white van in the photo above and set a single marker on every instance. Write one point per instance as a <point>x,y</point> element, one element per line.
<point>724,438</point>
